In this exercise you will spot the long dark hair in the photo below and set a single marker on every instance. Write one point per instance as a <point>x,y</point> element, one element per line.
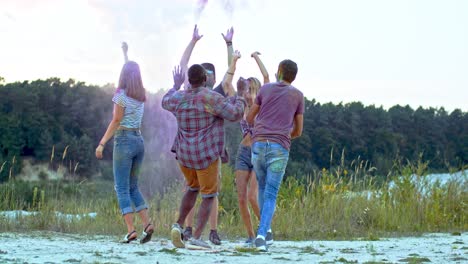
<point>130,81</point>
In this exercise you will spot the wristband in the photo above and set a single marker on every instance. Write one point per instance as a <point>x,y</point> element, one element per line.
<point>231,73</point>
<point>229,43</point>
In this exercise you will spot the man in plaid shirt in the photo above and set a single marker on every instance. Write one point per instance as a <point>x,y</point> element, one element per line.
<point>200,114</point>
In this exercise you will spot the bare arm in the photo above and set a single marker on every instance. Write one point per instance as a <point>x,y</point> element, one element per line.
<point>113,125</point>
<point>266,77</point>
<point>231,108</point>
<point>230,50</point>
<point>298,126</point>
<point>227,81</point>
<point>125,51</point>
<point>188,52</point>
<point>252,113</point>
<point>228,39</point>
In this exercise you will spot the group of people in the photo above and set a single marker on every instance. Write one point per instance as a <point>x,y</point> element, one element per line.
<point>269,116</point>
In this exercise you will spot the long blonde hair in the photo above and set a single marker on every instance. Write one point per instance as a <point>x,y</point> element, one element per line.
<point>130,81</point>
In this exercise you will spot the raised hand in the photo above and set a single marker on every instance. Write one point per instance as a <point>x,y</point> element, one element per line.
<point>229,35</point>
<point>255,54</point>
<point>179,77</point>
<point>124,47</point>
<point>195,36</point>
<point>125,50</point>
<point>236,55</point>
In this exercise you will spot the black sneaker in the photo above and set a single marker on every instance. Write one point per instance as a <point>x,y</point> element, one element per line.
<point>214,238</point>
<point>260,244</point>
<point>269,238</point>
<point>187,233</point>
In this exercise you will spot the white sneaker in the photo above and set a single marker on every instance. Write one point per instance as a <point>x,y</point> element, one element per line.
<point>176,236</point>
<point>198,243</point>
<point>260,244</point>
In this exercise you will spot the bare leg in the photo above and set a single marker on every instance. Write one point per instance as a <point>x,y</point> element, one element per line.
<point>148,228</point>
<point>128,218</point>
<point>203,214</point>
<point>144,217</point>
<point>190,216</point>
<point>214,214</point>
<point>253,194</point>
<point>242,180</point>
<point>188,201</point>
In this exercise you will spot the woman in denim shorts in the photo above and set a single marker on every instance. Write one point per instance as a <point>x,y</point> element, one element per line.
<point>128,147</point>
<point>246,182</point>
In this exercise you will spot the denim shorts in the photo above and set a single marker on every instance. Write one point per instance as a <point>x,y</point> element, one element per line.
<point>244,158</point>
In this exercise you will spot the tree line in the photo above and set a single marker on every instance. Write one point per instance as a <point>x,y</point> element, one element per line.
<point>60,122</point>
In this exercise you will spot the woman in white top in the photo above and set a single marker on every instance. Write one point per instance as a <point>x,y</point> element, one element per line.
<point>128,147</point>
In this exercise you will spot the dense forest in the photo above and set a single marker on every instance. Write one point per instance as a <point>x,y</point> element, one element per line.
<point>57,122</point>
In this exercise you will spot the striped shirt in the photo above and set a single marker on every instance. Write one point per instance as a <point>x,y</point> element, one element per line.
<point>200,114</point>
<point>133,109</point>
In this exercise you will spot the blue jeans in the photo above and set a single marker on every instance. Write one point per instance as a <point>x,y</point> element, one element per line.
<point>269,160</point>
<point>127,159</point>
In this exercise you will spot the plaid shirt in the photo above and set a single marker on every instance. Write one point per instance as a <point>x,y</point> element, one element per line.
<point>200,114</point>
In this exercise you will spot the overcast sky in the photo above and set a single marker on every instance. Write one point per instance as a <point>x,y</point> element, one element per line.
<point>378,52</point>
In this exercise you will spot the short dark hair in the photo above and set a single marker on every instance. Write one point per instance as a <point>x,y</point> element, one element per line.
<point>196,75</point>
<point>210,67</point>
<point>288,70</point>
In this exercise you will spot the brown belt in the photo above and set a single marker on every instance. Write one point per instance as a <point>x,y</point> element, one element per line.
<point>128,128</point>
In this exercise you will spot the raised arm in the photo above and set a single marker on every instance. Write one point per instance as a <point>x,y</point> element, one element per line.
<point>230,108</point>
<point>266,77</point>
<point>188,52</point>
<point>125,50</point>
<point>227,80</point>
<point>170,100</point>
<point>228,39</point>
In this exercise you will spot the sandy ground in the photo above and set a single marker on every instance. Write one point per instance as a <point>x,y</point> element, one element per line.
<point>49,247</point>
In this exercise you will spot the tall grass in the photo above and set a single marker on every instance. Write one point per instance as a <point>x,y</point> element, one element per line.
<point>339,203</point>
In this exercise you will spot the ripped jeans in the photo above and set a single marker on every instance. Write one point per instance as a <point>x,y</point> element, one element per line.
<point>269,161</point>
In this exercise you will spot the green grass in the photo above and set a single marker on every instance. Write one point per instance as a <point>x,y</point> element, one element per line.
<point>414,260</point>
<point>328,204</point>
<point>343,260</point>
<point>311,250</point>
